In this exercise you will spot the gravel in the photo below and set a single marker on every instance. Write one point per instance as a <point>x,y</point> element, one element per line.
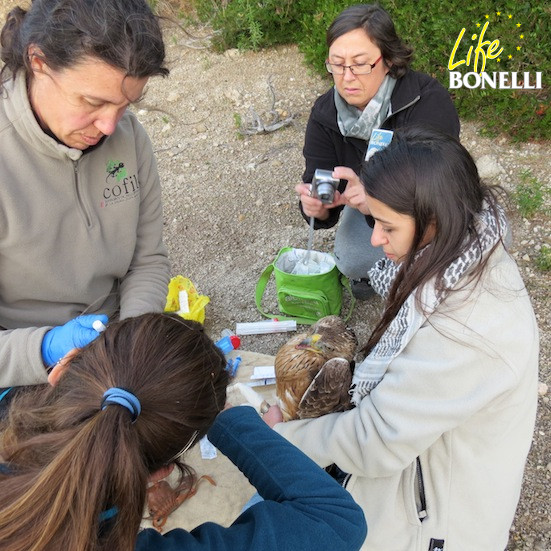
<point>230,205</point>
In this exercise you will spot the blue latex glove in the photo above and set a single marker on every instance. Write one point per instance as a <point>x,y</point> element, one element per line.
<point>76,333</point>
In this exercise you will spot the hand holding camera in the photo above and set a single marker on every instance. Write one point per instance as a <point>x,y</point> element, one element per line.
<point>320,195</point>
<point>324,186</point>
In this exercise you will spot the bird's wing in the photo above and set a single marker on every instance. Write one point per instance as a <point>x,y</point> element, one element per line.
<point>328,392</point>
<point>292,383</point>
<point>294,370</point>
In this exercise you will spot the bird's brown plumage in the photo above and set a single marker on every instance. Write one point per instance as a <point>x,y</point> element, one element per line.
<point>297,363</point>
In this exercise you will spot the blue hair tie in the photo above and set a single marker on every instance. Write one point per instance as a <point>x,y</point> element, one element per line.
<point>121,397</point>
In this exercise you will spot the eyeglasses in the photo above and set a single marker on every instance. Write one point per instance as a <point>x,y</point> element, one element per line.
<point>185,448</point>
<point>370,220</point>
<point>358,69</point>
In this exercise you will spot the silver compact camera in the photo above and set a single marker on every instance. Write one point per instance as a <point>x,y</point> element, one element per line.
<point>324,185</point>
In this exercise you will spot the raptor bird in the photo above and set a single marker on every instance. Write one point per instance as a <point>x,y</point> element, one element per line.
<point>314,370</point>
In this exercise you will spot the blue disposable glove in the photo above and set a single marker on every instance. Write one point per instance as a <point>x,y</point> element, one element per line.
<point>76,333</point>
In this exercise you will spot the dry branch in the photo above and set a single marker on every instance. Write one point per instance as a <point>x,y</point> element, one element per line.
<point>255,125</point>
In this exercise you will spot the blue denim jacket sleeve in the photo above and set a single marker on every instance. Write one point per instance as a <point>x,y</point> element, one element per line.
<point>304,507</point>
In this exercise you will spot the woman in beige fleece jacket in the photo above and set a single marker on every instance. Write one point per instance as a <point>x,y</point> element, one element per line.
<point>80,198</point>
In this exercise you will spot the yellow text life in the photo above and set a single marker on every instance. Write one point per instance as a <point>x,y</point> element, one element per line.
<point>490,52</point>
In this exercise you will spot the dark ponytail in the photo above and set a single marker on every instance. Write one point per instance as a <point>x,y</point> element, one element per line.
<point>71,461</point>
<point>10,43</point>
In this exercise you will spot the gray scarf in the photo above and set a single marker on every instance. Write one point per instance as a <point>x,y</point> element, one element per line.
<point>355,123</point>
<point>409,319</point>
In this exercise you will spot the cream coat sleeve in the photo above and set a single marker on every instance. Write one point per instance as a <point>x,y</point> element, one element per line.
<point>459,364</point>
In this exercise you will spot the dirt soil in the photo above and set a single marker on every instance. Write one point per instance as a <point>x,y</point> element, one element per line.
<point>230,205</point>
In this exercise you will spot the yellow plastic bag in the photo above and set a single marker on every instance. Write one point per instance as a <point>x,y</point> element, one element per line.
<point>196,302</point>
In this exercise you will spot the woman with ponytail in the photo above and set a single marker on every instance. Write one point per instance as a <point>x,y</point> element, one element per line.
<point>445,399</point>
<point>77,456</point>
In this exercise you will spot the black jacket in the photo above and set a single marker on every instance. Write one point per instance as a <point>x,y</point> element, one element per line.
<point>417,98</point>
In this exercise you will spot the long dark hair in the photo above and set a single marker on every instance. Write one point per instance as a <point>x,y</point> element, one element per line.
<point>378,25</point>
<point>431,177</point>
<point>123,33</point>
<point>70,460</point>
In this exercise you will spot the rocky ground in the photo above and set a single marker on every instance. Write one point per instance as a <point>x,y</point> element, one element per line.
<point>230,205</point>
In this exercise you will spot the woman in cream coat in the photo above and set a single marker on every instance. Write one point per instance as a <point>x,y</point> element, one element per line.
<point>445,399</point>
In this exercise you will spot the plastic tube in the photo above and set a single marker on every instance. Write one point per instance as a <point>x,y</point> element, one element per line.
<point>227,344</point>
<point>262,327</point>
<point>98,326</point>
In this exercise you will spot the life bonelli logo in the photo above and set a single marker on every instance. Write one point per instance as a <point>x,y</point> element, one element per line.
<point>501,52</point>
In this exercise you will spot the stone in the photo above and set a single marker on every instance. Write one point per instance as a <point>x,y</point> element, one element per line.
<point>488,167</point>
<point>233,95</point>
<point>232,53</point>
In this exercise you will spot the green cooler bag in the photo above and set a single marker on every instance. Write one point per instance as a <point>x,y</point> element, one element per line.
<point>304,298</point>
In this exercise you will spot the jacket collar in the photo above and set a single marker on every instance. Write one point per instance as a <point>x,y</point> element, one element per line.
<point>20,114</point>
<point>406,92</point>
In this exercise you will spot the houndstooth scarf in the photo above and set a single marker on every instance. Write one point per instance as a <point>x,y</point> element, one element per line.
<point>409,319</point>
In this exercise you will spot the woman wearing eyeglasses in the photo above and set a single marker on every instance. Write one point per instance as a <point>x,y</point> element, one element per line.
<point>76,456</point>
<point>373,88</point>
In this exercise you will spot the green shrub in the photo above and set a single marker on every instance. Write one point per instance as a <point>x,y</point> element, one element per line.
<point>529,194</point>
<point>314,25</point>
<point>543,260</point>
<point>432,28</point>
<point>250,24</point>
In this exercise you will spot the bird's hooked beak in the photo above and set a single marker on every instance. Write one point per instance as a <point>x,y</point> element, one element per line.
<point>309,343</point>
